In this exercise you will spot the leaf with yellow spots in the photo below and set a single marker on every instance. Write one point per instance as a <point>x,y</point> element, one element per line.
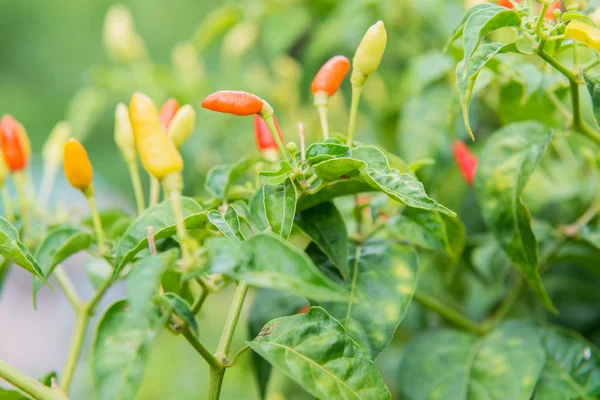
<point>381,282</point>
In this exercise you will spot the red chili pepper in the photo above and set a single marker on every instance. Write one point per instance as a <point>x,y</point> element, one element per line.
<point>506,3</point>
<point>466,161</point>
<point>550,11</point>
<point>304,309</point>
<point>167,112</point>
<point>330,76</point>
<point>262,134</point>
<point>231,102</point>
<point>14,152</point>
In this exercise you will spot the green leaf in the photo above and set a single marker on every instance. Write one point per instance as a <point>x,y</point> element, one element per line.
<point>572,369</point>
<point>6,394</point>
<point>98,270</point>
<point>370,165</point>
<point>314,350</point>
<point>276,177</point>
<point>505,165</point>
<point>228,224</point>
<point>60,244</point>
<point>269,304</point>
<point>330,191</point>
<point>120,351</point>
<point>447,364</point>
<point>220,178</point>
<point>108,218</point>
<point>180,308</point>
<point>223,255</point>
<point>319,152</point>
<point>460,27</point>
<point>325,226</point>
<point>162,221</point>
<point>144,280</point>
<point>430,230</point>
<point>257,211</point>
<point>382,281</point>
<point>268,261</point>
<point>14,251</point>
<point>280,207</point>
<point>467,72</point>
<point>484,21</point>
<point>593,87</point>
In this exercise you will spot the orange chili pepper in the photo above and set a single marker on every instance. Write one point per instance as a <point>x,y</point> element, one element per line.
<point>262,134</point>
<point>78,168</point>
<point>550,10</point>
<point>466,161</point>
<point>330,76</point>
<point>506,3</point>
<point>232,102</point>
<point>14,144</point>
<point>167,112</point>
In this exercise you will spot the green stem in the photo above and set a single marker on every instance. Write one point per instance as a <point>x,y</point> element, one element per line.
<point>48,178</point>
<point>540,21</point>
<point>28,385</point>
<point>154,191</point>
<point>322,111</point>
<point>356,92</point>
<point>67,287</point>
<point>137,186</point>
<point>19,178</point>
<point>186,253</point>
<point>7,202</point>
<point>506,305</point>
<point>271,124</point>
<point>452,316</point>
<point>200,300</point>
<point>200,348</point>
<point>216,382</point>
<point>89,194</point>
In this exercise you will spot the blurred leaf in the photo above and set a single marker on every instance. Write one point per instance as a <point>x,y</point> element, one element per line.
<point>228,224</point>
<point>223,254</point>
<point>269,304</point>
<point>180,308</point>
<point>490,261</point>
<point>325,226</point>
<point>331,190</point>
<point>313,350</point>
<point>220,178</point>
<point>162,221</point>
<point>270,262</point>
<point>382,281</point>
<point>593,86</point>
<point>505,363</point>
<point>460,27</point>
<point>257,211</point>
<point>505,165</point>
<point>426,69</point>
<point>14,251</point>
<point>572,369</point>
<point>59,245</point>
<point>280,207</point>
<point>215,24</point>
<point>121,349</point>
<point>98,270</point>
<point>467,72</point>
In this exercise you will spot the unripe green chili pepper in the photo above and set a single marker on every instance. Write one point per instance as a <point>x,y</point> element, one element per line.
<point>182,125</point>
<point>157,152</point>
<point>369,53</point>
<point>584,33</point>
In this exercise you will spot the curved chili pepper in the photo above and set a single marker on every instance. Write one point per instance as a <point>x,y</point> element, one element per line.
<point>466,161</point>
<point>330,76</point>
<point>167,112</point>
<point>157,151</point>
<point>264,139</point>
<point>78,168</point>
<point>233,102</point>
<point>14,144</point>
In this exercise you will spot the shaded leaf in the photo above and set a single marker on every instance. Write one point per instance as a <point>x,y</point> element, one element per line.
<point>180,308</point>
<point>319,152</point>
<point>276,177</point>
<point>332,190</point>
<point>228,224</point>
<point>257,211</point>
<point>223,255</point>
<point>220,178</point>
<point>460,27</point>
<point>314,350</point>
<point>593,87</point>
<point>14,251</point>
<point>280,207</point>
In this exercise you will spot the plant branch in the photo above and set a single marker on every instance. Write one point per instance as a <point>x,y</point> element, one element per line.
<point>67,287</point>
<point>200,348</point>
<point>450,315</point>
<point>28,385</point>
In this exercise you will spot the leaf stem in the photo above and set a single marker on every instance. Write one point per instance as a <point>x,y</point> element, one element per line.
<point>200,348</point>
<point>154,191</point>
<point>186,253</point>
<point>200,300</point>
<point>137,186</point>
<point>89,194</point>
<point>48,178</point>
<point>28,385</point>
<point>356,92</point>
<point>271,124</point>
<point>322,111</point>
<point>67,287</point>
<point>450,315</point>
<point>19,178</point>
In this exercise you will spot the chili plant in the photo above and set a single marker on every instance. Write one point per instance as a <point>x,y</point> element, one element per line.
<point>335,238</point>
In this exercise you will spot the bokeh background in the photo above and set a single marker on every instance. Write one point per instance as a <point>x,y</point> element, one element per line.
<point>55,65</point>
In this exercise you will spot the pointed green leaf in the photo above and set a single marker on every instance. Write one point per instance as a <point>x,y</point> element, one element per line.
<point>121,349</point>
<point>268,261</point>
<point>257,211</point>
<point>180,308</point>
<point>276,177</point>
<point>162,221</point>
<point>314,350</point>
<point>330,191</point>
<point>228,224</point>
<point>447,364</point>
<point>593,86</point>
<point>319,152</point>
<point>505,165</point>
<point>220,178</point>
<point>460,27</point>
<point>467,72</point>
<point>382,281</point>
<point>14,251</point>
<point>280,207</point>
<point>326,227</point>
<point>60,244</point>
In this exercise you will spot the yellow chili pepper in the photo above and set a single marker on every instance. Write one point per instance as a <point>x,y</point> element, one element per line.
<point>584,33</point>
<point>157,151</point>
<point>78,168</point>
<point>182,125</point>
<point>124,133</point>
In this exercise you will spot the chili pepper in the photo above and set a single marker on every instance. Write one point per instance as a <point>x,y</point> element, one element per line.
<point>78,168</point>
<point>330,76</point>
<point>182,125</point>
<point>506,3</point>
<point>232,102</point>
<point>157,152</point>
<point>124,133</point>
<point>369,53</point>
<point>550,10</point>
<point>264,140</point>
<point>14,144</point>
<point>466,161</point>
<point>167,112</point>
<point>584,33</point>
<point>121,41</point>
